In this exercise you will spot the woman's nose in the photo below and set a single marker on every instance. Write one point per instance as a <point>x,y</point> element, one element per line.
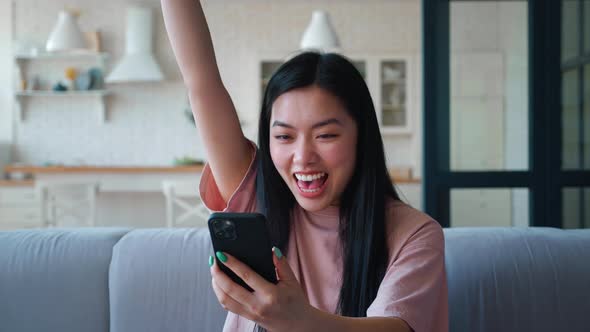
<point>304,153</point>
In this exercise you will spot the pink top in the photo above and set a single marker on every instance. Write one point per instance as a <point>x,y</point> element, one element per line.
<point>414,287</point>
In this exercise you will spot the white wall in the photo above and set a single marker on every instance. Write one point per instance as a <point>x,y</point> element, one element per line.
<point>6,81</point>
<point>5,84</point>
<point>145,122</point>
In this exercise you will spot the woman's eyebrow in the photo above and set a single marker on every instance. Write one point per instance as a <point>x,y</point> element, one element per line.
<point>281,124</point>
<point>317,125</point>
<point>326,122</point>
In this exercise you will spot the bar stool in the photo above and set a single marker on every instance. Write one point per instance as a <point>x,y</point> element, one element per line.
<point>183,203</point>
<point>62,202</point>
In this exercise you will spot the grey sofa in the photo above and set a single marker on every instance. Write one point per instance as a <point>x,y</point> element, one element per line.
<point>122,280</point>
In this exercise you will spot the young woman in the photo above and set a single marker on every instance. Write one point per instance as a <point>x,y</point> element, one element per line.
<point>357,258</point>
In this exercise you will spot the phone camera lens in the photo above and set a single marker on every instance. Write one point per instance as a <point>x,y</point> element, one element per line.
<point>224,229</point>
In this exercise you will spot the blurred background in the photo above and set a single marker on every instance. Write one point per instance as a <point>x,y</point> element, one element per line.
<point>484,106</point>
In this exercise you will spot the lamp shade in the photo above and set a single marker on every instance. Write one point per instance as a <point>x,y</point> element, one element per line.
<point>66,34</point>
<point>138,64</point>
<point>320,33</point>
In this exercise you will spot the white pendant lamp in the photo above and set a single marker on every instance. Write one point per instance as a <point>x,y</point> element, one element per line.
<point>66,35</point>
<point>320,33</point>
<point>138,64</point>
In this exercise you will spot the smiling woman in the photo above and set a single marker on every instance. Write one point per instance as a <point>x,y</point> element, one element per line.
<point>356,257</point>
<point>313,145</point>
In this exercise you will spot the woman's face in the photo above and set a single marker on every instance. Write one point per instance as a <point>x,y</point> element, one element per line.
<point>313,145</point>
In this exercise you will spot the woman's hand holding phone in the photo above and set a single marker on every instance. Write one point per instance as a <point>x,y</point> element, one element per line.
<point>276,307</point>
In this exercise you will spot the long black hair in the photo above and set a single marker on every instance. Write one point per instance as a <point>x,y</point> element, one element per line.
<point>362,203</point>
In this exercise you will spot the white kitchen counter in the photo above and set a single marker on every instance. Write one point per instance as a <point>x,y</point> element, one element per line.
<point>111,178</point>
<point>138,178</point>
<point>133,197</point>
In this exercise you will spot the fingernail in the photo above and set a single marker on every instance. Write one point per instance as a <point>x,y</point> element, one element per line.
<point>211,261</point>
<point>277,252</point>
<point>221,256</point>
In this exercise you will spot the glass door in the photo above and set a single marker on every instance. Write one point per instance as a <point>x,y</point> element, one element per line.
<point>495,74</point>
<point>575,113</point>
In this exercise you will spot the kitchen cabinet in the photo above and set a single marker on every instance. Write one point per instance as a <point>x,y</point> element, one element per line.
<point>391,80</point>
<point>267,68</point>
<point>128,196</point>
<point>20,207</point>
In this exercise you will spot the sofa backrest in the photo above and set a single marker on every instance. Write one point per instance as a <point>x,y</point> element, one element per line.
<point>500,279</point>
<point>55,280</point>
<point>160,281</point>
<point>518,279</point>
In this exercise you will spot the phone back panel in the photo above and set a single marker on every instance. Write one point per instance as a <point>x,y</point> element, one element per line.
<point>251,244</point>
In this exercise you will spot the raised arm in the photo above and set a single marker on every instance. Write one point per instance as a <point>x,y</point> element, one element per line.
<point>228,151</point>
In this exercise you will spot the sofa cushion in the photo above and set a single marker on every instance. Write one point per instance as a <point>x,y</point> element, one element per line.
<point>160,281</point>
<point>518,279</point>
<point>55,280</point>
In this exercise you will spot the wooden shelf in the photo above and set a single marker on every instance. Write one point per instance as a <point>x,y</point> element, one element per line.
<point>400,81</point>
<point>400,174</point>
<point>396,130</point>
<point>389,107</point>
<point>104,169</point>
<point>99,57</point>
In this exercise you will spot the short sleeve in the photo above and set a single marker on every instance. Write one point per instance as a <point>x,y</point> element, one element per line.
<point>242,200</point>
<point>414,287</point>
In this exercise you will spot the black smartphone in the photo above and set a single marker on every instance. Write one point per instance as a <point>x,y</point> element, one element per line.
<point>244,236</point>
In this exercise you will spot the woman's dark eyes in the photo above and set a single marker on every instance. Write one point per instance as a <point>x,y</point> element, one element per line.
<point>286,137</point>
<point>327,136</point>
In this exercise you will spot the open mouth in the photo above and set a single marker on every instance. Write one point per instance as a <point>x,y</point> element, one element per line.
<point>310,183</point>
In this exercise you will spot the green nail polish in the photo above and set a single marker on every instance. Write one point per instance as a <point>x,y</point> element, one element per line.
<point>278,252</point>
<point>221,256</point>
<point>211,261</point>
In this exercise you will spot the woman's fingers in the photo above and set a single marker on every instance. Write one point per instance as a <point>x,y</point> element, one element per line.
<point>271,306</point>
<point>284,272</point>
<point>228,303</point>
<point>228,286</point>
<point>250,277</point>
